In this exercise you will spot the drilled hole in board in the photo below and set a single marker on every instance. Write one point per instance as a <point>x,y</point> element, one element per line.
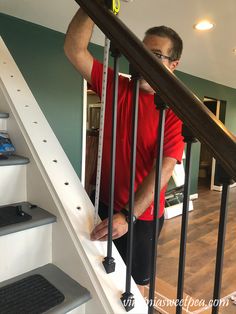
<point>78,207</point>
<point>35,122</point>
<point>18,90</point>
<point>12,75</point>
<point>26,106</point>
<point>66,183</point>
<point>55,160</point>
<point>45,141</point>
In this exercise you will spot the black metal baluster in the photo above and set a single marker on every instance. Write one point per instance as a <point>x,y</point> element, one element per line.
<point>226,181</point>
<point>162,107</point>
<point>109,262</point>
<point>189,139</point>
<point>127,297</point>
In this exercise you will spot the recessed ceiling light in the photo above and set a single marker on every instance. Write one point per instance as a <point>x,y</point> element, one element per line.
<point>203,26</point>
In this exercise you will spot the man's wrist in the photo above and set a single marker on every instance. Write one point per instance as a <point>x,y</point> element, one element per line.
<point>126,214</point>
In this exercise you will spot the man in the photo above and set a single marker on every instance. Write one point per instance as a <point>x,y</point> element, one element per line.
<point>167,46</point>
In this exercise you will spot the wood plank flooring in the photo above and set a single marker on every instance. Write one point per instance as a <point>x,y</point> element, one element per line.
<point>201,248</point>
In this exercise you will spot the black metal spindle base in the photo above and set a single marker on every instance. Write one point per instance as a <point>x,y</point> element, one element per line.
<point>109,264</point>
<point>128,301</point>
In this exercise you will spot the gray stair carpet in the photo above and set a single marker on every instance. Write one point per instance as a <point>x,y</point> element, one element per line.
<point>14,160</point>
<point>4,115</point>
<point>45,289</point>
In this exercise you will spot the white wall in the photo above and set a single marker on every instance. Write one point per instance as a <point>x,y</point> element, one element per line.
<point>206,55</point>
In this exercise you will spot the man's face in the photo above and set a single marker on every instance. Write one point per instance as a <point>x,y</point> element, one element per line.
<point>161,47</point>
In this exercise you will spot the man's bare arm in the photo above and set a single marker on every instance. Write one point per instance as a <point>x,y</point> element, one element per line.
<point>145,193</point>
<point>76,43</point>
<point>143,198</point>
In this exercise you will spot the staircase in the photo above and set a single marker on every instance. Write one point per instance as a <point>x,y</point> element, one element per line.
<point>51,250</point>
<point>29,282</point>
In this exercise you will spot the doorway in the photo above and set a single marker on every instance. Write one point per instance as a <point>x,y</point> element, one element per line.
<point>208,166</point>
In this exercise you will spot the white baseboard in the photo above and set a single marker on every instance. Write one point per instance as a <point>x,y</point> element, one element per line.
<point>219,187</point>
<point>193,196</point>
<point>176,210</point>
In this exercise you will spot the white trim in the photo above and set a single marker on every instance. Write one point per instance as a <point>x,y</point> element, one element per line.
<point>84,128</point>
<point>219,187</point>
<point>213,169</point>
<point>45,148</point>
<point>176,210</point>
<point>213,165</point>
<point>193,196</point>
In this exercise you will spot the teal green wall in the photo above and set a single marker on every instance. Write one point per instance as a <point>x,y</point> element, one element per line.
<point>213,90</point>
<point>57,86</point>
<point>207,88</point>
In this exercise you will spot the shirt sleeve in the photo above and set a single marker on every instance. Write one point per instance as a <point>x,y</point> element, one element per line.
<point>97,76</point>
<point>173,139</point>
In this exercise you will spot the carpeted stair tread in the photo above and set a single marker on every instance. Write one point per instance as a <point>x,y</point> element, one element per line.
<point>44,286</point>
<point>33,294</point>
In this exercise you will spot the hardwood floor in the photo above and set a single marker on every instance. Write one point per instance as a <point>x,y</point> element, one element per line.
<point>201,248</point>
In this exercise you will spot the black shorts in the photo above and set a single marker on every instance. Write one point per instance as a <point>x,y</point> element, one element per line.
<point>142,246</point>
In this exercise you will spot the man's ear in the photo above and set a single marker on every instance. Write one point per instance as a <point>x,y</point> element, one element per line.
<point>174,65</point>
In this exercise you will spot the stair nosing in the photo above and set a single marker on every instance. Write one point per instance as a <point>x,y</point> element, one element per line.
<point>14,160</point>
<point>4,115</point>
<point>40,217</point>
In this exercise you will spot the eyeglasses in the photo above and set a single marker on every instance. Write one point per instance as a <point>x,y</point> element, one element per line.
<point>161,56</point>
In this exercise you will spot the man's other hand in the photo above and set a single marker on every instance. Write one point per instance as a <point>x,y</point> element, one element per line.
<point>120,227</point>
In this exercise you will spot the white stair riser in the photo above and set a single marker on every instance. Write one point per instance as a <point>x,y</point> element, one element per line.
<point>13,184</point>
<point>3,125</point>
<point>25,250</point>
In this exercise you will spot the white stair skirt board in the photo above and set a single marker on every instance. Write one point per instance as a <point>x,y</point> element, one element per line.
<point>25,250</point>
<point>72,203</point>
<point>13,184</point>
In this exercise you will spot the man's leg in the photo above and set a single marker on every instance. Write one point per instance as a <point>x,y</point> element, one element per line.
<point>142,251</point>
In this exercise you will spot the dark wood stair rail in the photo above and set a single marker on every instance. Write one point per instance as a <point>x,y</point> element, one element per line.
<point>187,106</point>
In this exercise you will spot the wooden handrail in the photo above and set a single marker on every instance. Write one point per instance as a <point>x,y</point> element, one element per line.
<point>187,106</point>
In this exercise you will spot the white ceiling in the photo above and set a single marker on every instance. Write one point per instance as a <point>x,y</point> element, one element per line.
<point>206,54</point>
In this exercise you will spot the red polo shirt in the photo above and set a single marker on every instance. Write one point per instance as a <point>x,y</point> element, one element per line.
<point>148,119</point>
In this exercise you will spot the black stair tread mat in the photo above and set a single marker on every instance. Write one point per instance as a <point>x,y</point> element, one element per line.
<point>31,295</point>
<point>39,216</point>
<point>8,216</point>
